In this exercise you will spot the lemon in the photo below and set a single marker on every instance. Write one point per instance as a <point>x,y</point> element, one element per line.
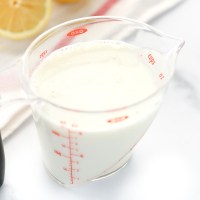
<point>21,19</point>
<point>67,1</point>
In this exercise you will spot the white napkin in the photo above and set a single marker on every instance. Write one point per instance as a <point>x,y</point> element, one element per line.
<point>14,114</point>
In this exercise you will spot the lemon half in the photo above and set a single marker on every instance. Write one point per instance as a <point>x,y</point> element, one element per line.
<point>21,19</point>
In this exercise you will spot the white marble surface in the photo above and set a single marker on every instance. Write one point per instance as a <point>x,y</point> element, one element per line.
<point>166,162</point>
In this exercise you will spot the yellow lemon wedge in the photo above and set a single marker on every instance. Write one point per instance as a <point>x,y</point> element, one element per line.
<point>21,19</point>
<point>67,1</point>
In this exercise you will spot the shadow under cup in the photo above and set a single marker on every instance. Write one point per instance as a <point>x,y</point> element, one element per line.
<point>84,145</point>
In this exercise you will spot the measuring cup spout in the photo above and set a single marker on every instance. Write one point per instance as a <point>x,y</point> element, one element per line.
<point>168,45</point>
<point>173,53</point>
<point>179,46</point>
<point>175,50</point>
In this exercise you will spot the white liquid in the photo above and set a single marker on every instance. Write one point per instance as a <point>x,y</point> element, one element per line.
<point>95,76</point>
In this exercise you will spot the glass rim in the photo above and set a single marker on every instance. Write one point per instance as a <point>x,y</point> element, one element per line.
<point>71,22</point>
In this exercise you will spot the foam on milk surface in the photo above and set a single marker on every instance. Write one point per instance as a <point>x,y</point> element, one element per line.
<point>93,76</point>
<point>100,75</point>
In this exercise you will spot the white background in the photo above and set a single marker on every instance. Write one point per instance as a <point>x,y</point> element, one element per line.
<point>165,164</point>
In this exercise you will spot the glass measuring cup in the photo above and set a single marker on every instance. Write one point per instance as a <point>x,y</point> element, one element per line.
<point>80,145</point>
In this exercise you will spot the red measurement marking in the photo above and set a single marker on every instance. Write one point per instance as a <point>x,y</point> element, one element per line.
<point>117,119</point>
<point>65,169</point>
<point>58,153</point>
<point>56,133</point>
<point>161,76</point>
<point>43,54</point>
<point>65,146</point>
<point>70,157</point>
<point>77,31</point>
<point>81,156</point>
<point>77,155</point>
<point>75,143</point>
<point>151,59</point>
<point>76,162</point>
<point>72,151</point>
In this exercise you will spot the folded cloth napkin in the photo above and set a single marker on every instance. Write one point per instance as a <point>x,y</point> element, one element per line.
<point>12,116</point>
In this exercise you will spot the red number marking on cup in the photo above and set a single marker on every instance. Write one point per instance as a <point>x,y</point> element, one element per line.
<point>151,59</point>
<point>161,76</point>
<point>43,54</point>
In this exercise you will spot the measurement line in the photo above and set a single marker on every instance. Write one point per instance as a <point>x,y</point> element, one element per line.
<point>64,146</point>
<point>70,157</point>
<point>65,169</point>
<point>75,161</point>
<point>67,147</point>
<point>60,154</point>
<point>71,145</point>
<point>75,143</point>
<point>56,133</point>
<point>78,155</point>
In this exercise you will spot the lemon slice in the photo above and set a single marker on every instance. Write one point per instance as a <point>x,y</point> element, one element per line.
<point>21,19</point>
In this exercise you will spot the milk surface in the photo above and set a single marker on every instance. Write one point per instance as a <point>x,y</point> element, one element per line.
<point>94,76</point>
<point>95,83</point>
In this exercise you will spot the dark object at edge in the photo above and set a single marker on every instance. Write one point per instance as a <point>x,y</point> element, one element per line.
<point>2,162</point>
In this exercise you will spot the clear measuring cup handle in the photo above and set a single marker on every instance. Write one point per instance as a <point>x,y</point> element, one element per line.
<point>10,84</point>
<point>13,101</point>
